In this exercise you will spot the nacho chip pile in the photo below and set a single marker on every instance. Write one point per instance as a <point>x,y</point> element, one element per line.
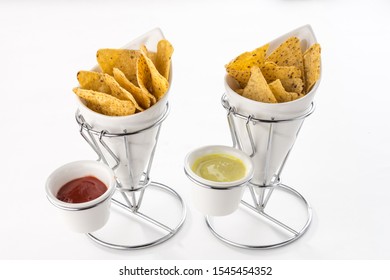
<point>285,75</point>
<point>129,81</point>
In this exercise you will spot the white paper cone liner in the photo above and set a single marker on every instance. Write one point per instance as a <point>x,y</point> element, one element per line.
<point>284,133</point>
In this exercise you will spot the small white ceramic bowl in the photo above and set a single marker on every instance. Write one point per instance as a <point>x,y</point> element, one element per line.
<point>87,216</point>
<point>217,198</point>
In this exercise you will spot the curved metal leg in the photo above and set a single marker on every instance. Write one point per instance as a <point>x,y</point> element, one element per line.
<point>165,232</point>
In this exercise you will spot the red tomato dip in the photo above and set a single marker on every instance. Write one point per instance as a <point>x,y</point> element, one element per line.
<point>81,190</point>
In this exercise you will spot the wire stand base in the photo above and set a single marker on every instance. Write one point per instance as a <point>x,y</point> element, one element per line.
<point>264,229</point>
<point>136,229</point>
<point>146,213</point>
<point>274,222</point>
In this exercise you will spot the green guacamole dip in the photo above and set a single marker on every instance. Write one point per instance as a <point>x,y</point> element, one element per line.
<point>219,168</point>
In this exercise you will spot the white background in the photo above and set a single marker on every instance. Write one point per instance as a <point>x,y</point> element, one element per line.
<point>340,162</point>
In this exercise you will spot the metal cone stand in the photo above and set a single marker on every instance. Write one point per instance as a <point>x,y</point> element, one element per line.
<point>131,199</point>
<point>264,200</point>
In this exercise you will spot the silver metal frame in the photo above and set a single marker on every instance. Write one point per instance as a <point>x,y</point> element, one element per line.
<point>265,190</point>
<point>132,202</point>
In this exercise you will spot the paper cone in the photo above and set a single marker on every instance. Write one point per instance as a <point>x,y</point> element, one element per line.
<point>284,133</point>
<point>133,151</point>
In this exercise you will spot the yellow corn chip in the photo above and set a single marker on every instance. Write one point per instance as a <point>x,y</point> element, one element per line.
<point>288,53</point>
<point>312,62</point>
<point>293,85</point>
<point>240,91</point>
<point>123,59</point>
<point>149,78</point>
<point>240,67</point>
<point>119,92</point>
<point>94,107</point>
<point>241,76</point>
<point>246,60</point>
<point>151,55</point>
<point>280,93</point>
<point>143,97</point>
<point>104,83</point>
<point>163,57</point>
<point>143,75</point>
<point>272,72</point>
<point>105,103</point>
<point>93,80</point>
<point>257,88</point>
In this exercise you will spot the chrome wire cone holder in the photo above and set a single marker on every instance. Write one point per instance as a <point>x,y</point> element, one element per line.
<point>129,199</point>
<point>276,197</point>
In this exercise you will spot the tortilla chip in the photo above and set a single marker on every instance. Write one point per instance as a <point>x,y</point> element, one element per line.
<point>240,67</point>
<point>150,79</point>
<point>93,80</point>
<point>240,91</point>
<point>123,59</point>
<point>94,107</point>
<point>281,94</point>
<point>119,92</point>
<point>143,75</point>
<point>163,57</point>
<point>288,53</point>
<point>312,62</point>
<point>104,83</point>
<point>241,76</point>
<point>246,60</point>
<point>143,97</point>
<point>257,88</point>
<point>293,85</point>
<point>151,55</point>
<point>272,72</point>
<point>106,104</point>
